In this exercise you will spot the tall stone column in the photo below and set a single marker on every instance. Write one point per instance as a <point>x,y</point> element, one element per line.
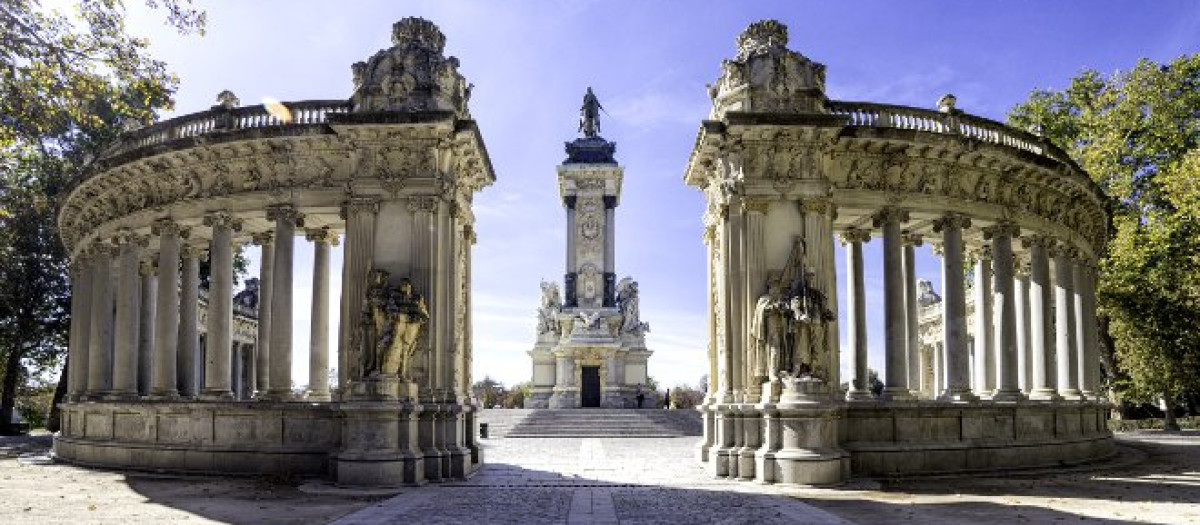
<point>1040,337</point>
<point>725,319</point>
<point>1024,357</point>
<point>1085,311</point>
<point>188,360</point>
<point>895,325</point>
<point>218,354</point>
<point>279,378</point>
<point>166,317</point>
<point>261,369</point>
<point>856,306</point>
<point>359,214</point>
<point>1065,342</point>
<point>148,270</point>
<point>318,355</point>
<point>912,314</point>
<point>755,215</point>
<point>100,339</point>
<point>984,379</point>
<point>424,260</point>
<point>81,321</point>
<point>736,285</point>
<point>954,304</point>
<point>1004,299</point>
<point>125,338</point>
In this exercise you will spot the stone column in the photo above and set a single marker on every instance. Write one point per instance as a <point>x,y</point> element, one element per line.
<point>279,378</point>
<point>1021,298</point>
<point>81,321</point>
<point>1085,311</point>
<point>984,379</point>
<point>100,338</point>
<point>912,311</point>
<point>359,214</point>
<point>895,326</point>
<point>1040,337</point>
<point>1065,343</point>
<point>125,337</point>
<point>736,285</point>
<point>856,306</point>
<point>1004,299</point>
<point>188,360</point>
<point>318,355</point>
<point>218,353</point>
<point>148,270</point>
<point>954,304</point>
<point>424,259</point>
<point>755,215</point>
<point>260,372</point>
<point>166,317</point>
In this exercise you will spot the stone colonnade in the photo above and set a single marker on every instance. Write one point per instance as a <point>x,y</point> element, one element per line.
<point>1022,342</point>
<point>134,330</point>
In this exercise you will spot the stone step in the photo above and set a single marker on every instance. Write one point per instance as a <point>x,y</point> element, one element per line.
<point>592,423</point>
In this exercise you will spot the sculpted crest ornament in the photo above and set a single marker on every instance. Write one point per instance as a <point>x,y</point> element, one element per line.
<point>412,75</point>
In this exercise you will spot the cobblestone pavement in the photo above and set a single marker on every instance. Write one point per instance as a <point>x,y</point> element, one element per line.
<point>585,480</point>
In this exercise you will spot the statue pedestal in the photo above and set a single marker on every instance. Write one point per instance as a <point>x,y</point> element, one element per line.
<point>381,388</point>
<point>801,435</point>
<point>380,445</point>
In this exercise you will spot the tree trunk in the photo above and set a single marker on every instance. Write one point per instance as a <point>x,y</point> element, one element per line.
<point>1169,422</point>
<point>52,421</point>
<point>8,399</point>
<point>1108,350</point>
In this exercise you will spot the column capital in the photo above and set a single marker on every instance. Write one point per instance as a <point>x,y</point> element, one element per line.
<point>1061,250</point>
<point>285,213</point>
<point>102,249</point>
<point>937,248</point>
<point>222,218</point>
<point>148,267</point>
<point>889,214</point>
<point>911,238</point>
<point>756,205</point>
<point>951,220</point>
<point>982,252</point>
<point>422,204</point>
<point>1043,241</point>
<point>127,236</point>
<point>357,204</point>
<point>324,235</point>
<point>193,250</point>
<point>167,226</point>
<point>822,205</point>
<point>1001,229</point>
<point>850,235</point>
<point>263,238</point>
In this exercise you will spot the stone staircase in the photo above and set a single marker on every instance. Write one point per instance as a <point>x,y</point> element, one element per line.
<point>591,422</point>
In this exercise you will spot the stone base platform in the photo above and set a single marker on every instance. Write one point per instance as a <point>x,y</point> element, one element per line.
<point>828,443</point>
<point>418,442</point>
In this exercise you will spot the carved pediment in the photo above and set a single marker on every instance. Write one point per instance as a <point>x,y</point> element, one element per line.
<point>412,75</point>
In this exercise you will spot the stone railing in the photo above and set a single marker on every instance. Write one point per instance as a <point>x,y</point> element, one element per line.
<point>872,115</point>
<point>220,119</point>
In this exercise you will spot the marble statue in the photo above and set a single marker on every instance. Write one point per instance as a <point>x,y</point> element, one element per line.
<point>548,312</point>
<point>376,331</point>
<point>407,313</point>
<point>767,328</point>
<point>789,325</point>
<point>248,297</point>
<point>925,294</point>
<point>627,301</point>
<point>589,115</point>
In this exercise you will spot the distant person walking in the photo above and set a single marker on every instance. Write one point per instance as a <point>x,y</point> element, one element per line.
<point>667,400</point>
<point>641,396</point>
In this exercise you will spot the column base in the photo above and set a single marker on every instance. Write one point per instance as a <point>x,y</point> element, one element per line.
<point>1008,396</point>
<point>278,395</point>
<point>216,395</point>
<point>120,396</point>
<point>163,395</point>
<point>1044,394</point>
<point>897,394</point>
<point>318,396</point>
<point>959,396</point>
<point>859,395</point>
<point>1071,394</point>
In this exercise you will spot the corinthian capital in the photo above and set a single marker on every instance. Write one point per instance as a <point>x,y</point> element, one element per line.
<point>222,219</point>
<point>1001,229</point>
<point>422,204</point>
<point>850,235</point>
<point>889,214</point>
<point>951,220</point>
<point>356,205</point>
<point>285,213</point>
<point>166,226</point>
<point>324,235</point>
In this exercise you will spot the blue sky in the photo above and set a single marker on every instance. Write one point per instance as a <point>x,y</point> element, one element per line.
<point>648,61</point>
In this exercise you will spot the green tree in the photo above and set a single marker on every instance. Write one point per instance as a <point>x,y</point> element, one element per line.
<point>69,83</point>
<point>489,392</point>
<point>1136,133</point>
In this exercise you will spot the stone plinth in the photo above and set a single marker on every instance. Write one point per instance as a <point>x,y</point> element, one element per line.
<point>801,437</point>
<point>380,445</point>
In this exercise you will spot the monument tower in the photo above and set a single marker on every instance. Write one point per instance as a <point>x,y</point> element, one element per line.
<point>591,347</point>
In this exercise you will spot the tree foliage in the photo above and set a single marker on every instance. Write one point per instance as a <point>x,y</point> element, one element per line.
<point>1136,133</point>
<point>69,83</point>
